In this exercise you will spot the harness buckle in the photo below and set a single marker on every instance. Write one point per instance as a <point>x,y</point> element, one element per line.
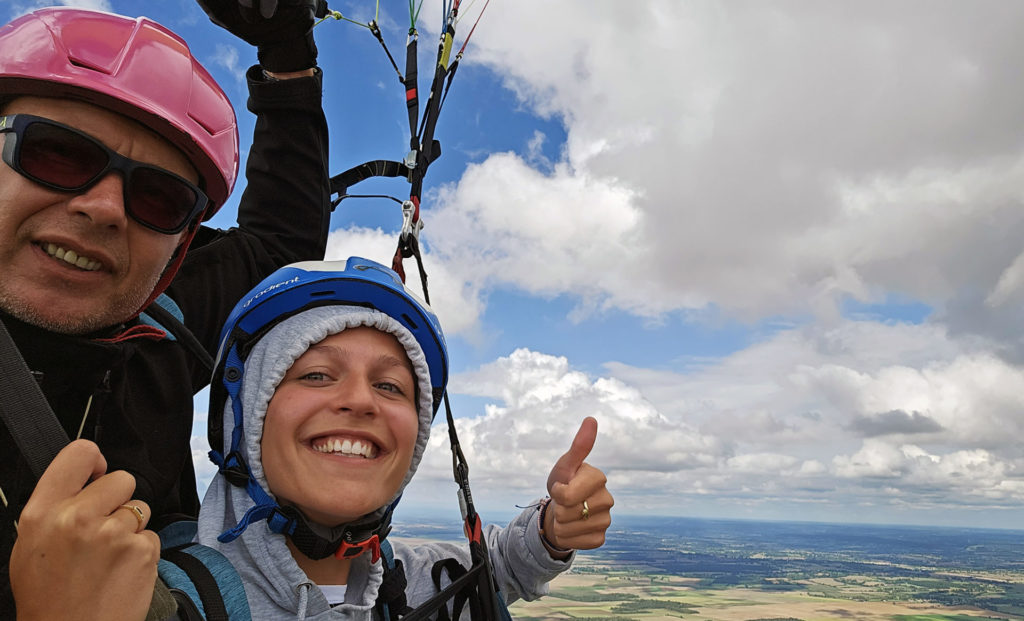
<point>281,522</point>
<point>410,162</point>
<point>352,550</point>
<point>235,470</point>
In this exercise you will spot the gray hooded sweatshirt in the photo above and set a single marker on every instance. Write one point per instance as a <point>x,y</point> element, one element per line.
<point>274,584</point>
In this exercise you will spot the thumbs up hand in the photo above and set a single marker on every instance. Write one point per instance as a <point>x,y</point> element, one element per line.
<point>578,513</point>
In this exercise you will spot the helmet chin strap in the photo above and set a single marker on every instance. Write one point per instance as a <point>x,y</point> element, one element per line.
<point>313,540</point>
<point>346,541</point>
<point>174,263</point>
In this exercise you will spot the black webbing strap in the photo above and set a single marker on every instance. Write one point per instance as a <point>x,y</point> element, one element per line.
<point>455,571</point>
<point>410,247</point>
<point>375,29</point>
<point>391,594</point>
<point>25,411</point>
<point>341,182</point>
<point>452,68</point>
<point>458,585</point>
<point>201,577</point>
<point>181,332</point>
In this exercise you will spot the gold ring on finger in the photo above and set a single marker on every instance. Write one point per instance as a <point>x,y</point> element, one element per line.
<point>585,514</point>
<point>137,512</point>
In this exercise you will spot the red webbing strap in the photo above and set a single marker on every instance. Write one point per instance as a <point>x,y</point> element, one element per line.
<point>412,100</point>
<point>396,262</point>
<point>472,528</point>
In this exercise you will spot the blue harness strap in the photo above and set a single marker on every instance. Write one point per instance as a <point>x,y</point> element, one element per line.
<point>388,555</point>
<point>204,576</point>
<point>170,306</point>
<point>391,600</point>
<point>166,316</point>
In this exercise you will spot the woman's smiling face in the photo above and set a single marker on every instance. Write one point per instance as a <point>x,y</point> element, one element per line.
<point>341,428</point>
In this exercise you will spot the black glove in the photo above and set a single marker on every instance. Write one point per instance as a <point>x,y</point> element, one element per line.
<point>281,30</point>
<point>266,8</point>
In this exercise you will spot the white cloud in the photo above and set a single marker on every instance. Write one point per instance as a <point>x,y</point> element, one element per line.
<point>512,445</point>
<point>205,469</point>
<point>226,56</point>
<point>768,427</point>
<point>875,459</point>
<point>760,463</point>
<point>508,223</point>
<point>760,158</point>
<point>971,476</point>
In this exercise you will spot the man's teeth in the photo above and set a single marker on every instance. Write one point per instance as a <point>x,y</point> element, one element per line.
<point>72,257</point>
<point>347,447</point>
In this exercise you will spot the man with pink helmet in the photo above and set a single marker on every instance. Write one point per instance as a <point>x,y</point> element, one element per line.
<point>86,253</point>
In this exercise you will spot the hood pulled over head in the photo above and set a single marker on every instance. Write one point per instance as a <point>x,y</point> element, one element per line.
<point>275,353</point>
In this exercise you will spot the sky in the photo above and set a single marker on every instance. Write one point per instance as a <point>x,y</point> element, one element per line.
<point>774,247</point>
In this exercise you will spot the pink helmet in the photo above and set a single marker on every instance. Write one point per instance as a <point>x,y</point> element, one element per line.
<point>135,67</point>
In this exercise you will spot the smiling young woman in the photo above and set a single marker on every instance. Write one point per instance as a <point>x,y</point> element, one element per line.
<point>341,427</point>
<point>328,379</point>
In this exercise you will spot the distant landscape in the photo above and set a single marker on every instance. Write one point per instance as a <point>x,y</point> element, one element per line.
<point>672,568</point>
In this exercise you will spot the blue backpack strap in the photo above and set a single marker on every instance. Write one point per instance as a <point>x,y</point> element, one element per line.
<point>387,553</point>
<point>166,315</point>
<point>202,579</point>
<point>503,612</point>
<point>391,600</point>
<point>171,307</point>
<point>178,533</point>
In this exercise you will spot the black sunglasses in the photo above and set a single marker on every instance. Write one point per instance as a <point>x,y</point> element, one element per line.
<point>62,158</point>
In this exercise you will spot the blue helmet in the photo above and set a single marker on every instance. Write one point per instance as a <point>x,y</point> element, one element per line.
<point>301,286</point>
<point>354,284</point>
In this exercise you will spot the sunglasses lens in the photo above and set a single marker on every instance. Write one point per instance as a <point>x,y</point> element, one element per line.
<point>160,200</point>
<point>56,156</point>
<point>66,160</point>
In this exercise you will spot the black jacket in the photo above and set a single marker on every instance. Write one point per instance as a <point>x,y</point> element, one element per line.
<point>135,394</point>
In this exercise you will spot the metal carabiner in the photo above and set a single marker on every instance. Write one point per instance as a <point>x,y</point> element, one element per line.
<point>410,226</point>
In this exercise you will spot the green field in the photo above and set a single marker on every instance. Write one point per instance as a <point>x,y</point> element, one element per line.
<point>597,591</point>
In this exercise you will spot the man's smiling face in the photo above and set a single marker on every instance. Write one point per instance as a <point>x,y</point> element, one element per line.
<point>117,262</point>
